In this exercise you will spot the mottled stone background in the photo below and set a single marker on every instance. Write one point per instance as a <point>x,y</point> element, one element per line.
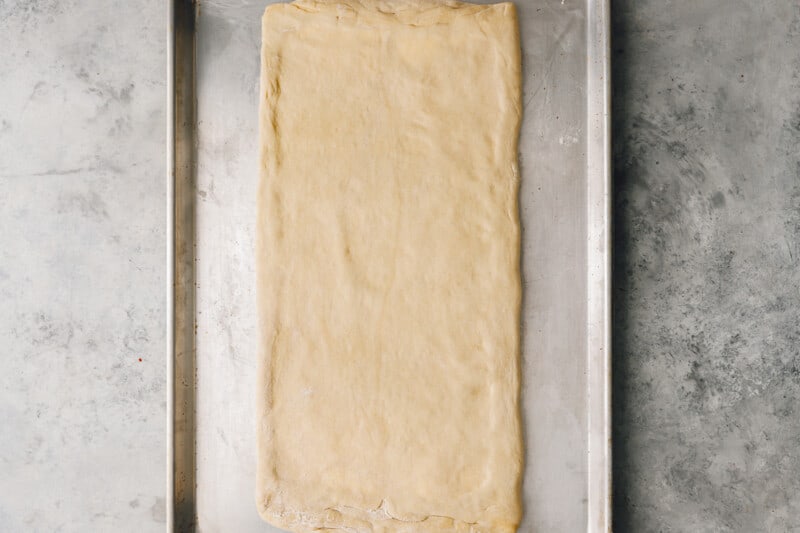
<point>82,263</point>
<point>707,285</point>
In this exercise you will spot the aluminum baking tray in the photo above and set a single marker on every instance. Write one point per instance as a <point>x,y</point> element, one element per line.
<point>213,78</point>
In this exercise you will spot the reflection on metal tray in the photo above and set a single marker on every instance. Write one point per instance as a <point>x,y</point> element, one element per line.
<point>564,206</point>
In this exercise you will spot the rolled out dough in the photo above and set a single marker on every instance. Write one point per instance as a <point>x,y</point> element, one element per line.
<point>388,267</point>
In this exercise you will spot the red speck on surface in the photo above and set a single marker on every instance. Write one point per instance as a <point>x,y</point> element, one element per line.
<point>140,359</point>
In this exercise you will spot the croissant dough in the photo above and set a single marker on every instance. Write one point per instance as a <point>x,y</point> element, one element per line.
<point>388,267</point>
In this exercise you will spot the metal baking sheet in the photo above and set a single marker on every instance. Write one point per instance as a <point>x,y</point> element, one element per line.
<point>564,204</point>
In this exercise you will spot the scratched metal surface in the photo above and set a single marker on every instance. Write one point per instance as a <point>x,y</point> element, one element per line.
<point>563,206</point>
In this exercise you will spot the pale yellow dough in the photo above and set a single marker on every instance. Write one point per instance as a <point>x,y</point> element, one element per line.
<point>388,267</point>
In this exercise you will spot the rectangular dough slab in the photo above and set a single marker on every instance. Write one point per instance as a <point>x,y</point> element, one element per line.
<point>388,267</point>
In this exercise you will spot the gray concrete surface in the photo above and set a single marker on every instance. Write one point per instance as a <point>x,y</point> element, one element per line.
<point>82,263</point>
<point>707,284</point>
